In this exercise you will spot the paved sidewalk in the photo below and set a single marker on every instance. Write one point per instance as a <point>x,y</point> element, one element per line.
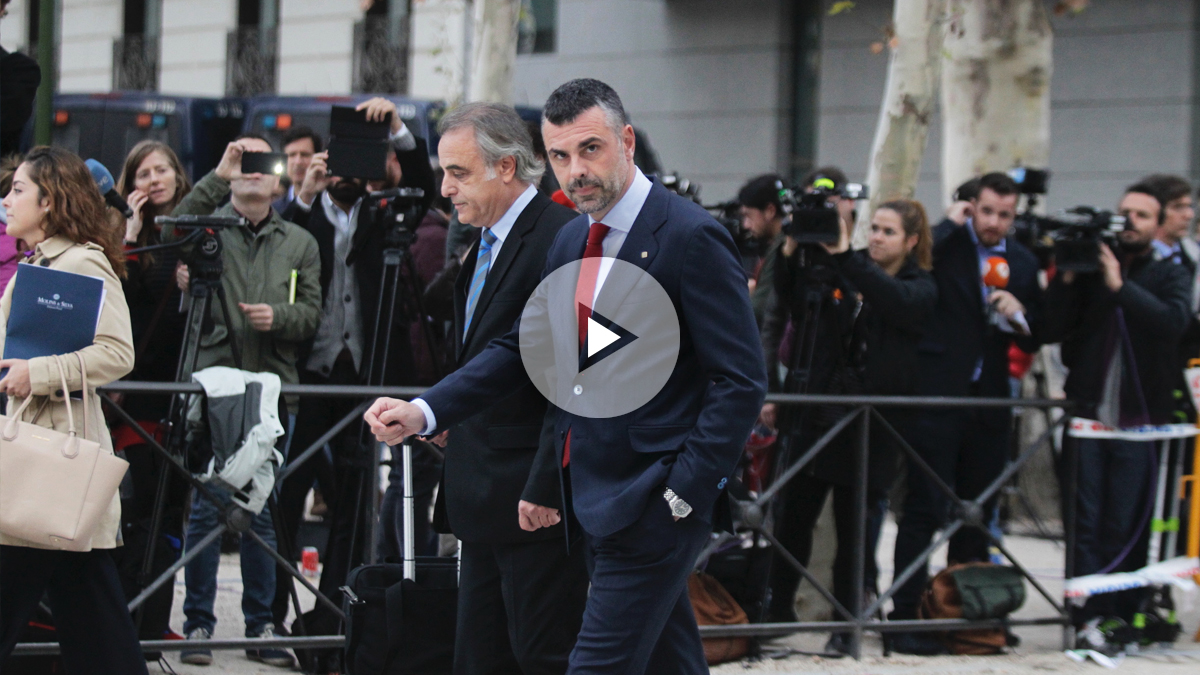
<point>1038,654</point>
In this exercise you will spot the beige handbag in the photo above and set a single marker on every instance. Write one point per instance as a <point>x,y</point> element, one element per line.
<point>55,487</point>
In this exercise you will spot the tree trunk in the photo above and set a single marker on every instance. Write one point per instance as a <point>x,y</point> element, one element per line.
<point>909,98</point>
<point>494,50</point>
<point>995,88</point>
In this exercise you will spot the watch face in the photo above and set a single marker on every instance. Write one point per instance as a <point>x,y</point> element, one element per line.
<point>680,510</point>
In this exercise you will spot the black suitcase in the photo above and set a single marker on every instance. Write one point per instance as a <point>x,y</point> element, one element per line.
<point>400,617</point>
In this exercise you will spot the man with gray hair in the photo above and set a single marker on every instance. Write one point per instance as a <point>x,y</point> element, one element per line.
<point>521,591</point>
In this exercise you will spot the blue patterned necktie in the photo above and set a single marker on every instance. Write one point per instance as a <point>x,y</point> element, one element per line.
<point>482,263</point>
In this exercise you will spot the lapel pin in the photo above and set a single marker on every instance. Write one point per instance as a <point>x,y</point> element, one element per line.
<point>645,254</point>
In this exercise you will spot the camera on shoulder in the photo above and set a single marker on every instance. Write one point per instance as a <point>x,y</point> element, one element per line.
<point>811,215</point>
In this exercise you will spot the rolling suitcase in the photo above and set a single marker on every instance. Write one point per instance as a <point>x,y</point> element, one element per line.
<point>400,617</point>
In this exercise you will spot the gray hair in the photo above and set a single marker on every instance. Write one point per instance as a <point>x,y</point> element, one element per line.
<point>499,132</point>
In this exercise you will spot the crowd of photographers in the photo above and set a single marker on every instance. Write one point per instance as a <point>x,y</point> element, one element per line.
<point>957,310</point>
<point>952,309</point>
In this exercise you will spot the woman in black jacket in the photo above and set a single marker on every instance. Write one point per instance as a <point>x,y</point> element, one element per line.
<point>877,301</point>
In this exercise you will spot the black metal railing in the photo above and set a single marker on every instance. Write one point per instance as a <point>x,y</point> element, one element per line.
<point>861,417</point>
<point>381,55</point>
<point>251,61</point>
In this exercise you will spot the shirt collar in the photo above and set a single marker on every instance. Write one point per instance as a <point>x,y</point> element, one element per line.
<point>334,213</point>
<point>1165,250</point>
<point>272,221</point>
<point>502,227</point>
<point>1002,247</point>
<point>626,211</point>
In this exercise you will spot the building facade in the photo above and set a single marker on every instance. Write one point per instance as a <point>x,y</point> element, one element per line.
<point>724,89</point>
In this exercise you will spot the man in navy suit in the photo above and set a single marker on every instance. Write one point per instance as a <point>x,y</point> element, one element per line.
<point>643,485</point>
<point>964,352</point>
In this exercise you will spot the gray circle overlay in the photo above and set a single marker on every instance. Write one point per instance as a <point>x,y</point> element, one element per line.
<point>619,379</point>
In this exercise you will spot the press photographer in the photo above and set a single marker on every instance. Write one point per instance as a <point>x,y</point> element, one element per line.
<point>270,275</point>
<point>874,305</point>
<point>762,217</point>
<point>352,232</point>
<point>988,297</point>
<point>1119,327</point>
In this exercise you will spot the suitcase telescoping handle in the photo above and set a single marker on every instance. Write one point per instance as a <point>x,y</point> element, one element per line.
<point>410,559</point>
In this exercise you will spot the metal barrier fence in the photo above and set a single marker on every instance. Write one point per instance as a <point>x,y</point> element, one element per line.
<point>856,620</point>
<point>859,619</point>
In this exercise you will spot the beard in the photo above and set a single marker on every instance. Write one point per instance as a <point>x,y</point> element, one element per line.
<point>1133,246</point>
<point>609,189</point>
<point>347,191</point>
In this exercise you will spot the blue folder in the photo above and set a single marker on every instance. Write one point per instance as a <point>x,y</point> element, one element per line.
<point>52,312</point>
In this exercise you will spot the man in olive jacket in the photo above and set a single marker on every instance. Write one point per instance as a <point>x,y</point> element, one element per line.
<point>269,322</point>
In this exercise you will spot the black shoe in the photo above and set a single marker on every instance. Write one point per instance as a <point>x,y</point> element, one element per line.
<point>917,644</point>
<point>838,645</point>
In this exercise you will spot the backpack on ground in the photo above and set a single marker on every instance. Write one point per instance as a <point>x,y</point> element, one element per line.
<point>975,591</point>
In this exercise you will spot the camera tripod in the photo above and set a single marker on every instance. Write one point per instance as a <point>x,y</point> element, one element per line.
<point>353,537</point>
<point>202,253</point>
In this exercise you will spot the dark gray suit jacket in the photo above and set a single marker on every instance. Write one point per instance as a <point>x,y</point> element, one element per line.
<point>489,455</point>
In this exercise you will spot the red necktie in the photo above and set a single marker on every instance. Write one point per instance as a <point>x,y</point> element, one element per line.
<point>585,289</point>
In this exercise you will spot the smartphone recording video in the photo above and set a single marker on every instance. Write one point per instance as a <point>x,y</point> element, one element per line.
<point>264,162</point>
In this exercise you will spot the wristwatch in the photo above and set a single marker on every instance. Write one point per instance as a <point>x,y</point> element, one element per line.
<point>679,508</point>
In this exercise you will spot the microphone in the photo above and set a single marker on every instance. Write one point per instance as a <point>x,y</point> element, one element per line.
<point>106,184</point>
<point>995,272</point>
<point>995,277</point>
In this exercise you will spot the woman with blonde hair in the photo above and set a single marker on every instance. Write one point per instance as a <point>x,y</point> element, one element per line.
<point>55,210</point>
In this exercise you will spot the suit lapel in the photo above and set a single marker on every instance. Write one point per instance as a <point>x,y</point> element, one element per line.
<point>508,252</point>
<point>462,285</point>
<point>640,246</point>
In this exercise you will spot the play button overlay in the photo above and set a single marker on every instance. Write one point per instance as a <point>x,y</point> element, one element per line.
<point>630,347</point>
<point>604,338</point>
<point>598,337</point>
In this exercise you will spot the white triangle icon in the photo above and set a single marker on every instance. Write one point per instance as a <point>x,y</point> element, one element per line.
<point>598,337</point>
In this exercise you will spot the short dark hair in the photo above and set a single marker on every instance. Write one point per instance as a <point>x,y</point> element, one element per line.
<point>1144,187</point>
<point>967,191</point>
<point>252,135</point>
<point>1000,183</point>
<point>1169,187</point>
<point>833,173</point>
<point>760,192</point>
<point>298,133</point>
<point>574,98</point>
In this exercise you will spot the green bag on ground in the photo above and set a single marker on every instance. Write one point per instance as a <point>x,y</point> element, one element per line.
<point>989,591</point>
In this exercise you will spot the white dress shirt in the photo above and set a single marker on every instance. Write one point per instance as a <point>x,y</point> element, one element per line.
<point>500,229</point>
<point>620,221</point>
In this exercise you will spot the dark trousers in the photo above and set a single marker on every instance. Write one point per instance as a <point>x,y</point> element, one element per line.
<point>94,627</point>
<point>968,450</point>
<point>638,617</point>
<point>1116,483</point>
<point>339,485</point>
<point>520,607</point>
<point>804,498</point>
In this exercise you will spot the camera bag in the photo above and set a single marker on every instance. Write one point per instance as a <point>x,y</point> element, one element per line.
<point>974,591</point>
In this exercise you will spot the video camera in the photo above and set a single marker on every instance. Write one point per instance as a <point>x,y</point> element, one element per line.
<point>681,186</point>
<point>810,216</point>
<point>1074,236</point>
<point>397,210</point>
<point>201,249</point>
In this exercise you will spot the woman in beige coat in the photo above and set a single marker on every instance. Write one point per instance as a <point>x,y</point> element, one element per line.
<point>55,209</point>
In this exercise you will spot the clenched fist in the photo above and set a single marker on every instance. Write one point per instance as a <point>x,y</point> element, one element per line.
<point>393,420</point>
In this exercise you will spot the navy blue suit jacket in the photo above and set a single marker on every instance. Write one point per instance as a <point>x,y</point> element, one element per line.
<point>959,335</point>
<point>690,435</point>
